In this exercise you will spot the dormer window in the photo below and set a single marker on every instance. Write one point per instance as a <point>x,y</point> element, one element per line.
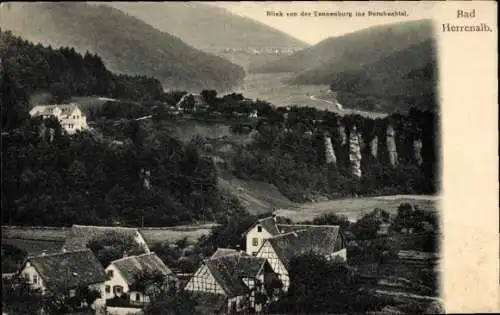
<point>109,274</point>
<point>259,228</point>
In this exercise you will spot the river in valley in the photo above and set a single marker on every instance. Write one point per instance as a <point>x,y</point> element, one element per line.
<point>270,87</point>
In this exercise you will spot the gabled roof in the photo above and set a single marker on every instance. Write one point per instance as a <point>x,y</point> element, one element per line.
<point>81,235</point>
<point>318,239</point>
<point>68,269</point>
<point>268,223</point>
<point>133,267</point>
<point>223,252</point>
<point>229,271</point>
<point>66,109</point>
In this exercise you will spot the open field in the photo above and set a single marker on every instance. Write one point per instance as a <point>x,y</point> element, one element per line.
<point>171,234</point>
<point>258,197</point>
<point>353,208</point>
<point>32,246</point>
<point>34,240</point>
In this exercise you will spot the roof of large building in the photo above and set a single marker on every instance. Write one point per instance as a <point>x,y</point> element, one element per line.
<point>49,109</point>
<point>223,252</point>
<point>81,235</point>
<point>68,269</point>
<point>133,267</point>
<point>229,271</point>
<point>318,239</point>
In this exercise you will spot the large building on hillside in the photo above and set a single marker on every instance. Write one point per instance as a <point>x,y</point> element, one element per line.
<point>70,116</point>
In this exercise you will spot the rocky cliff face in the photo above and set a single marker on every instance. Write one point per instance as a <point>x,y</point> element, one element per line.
<point>374,147</point>
<point>391,146</point>
<point>329,153</point>
<point>342,134</point>
<point>354,153</point>
<point>417,151</point>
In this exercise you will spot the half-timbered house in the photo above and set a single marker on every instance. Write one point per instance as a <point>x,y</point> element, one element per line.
<point>238,277</point>
<point>281,249</point>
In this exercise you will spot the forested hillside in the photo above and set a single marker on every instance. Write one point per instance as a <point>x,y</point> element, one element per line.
<point>209,27</point>
<point>126,44</point>
<point>407,78</point>
<point>342,53</point>
<point>28,69</point>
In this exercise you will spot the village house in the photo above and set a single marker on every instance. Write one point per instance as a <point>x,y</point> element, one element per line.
<point>294,240</point>
<point>70,116</point>
<point>236,278</point>
<point>137,277</point>
<point>191,102</point>
<point>65,273</point>
<point>81,235</point>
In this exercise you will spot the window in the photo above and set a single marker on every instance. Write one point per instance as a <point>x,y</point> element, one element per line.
<point>255,241</point>
<point>110,274</point>
<point>108,289</point>
<point>254,253</point>
<point>35,279</point>
<point>137,297</point>
<point>259,228</point>
<point>118,289</point>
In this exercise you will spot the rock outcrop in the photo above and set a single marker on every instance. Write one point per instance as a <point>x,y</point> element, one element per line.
<point>354,153</point>
<point>330,156</point>
<point>374,147</point>
<point>391,146</point>
<point>342,134</point>
<point>417,151</point>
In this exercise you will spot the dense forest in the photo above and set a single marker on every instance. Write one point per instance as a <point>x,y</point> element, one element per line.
<point>126,44</point>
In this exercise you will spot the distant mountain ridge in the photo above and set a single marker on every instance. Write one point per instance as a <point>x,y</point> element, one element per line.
<point>126,44</point>
<point>319,63</point>
<point>208,27</point>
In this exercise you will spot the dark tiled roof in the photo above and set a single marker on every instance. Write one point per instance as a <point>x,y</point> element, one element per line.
<point>68,269</point>
<point>269,224</point>
<point>132,267</point>
<point>81,235</point>
<point>317,239</point>
<point>223,252</point>
<point>229,270</point>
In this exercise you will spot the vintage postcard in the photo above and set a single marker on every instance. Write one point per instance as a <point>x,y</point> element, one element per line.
<point>194,158</point>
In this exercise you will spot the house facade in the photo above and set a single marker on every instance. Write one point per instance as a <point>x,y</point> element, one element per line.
<point>236,276</point>
<point>137,277</point>
<point>65,272</point>
<point>280,250</point>
<point>70,116</point>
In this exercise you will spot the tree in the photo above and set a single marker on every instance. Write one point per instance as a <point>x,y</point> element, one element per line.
<point>113,245</point>
<point>173,303</point>
<point>19,297</point>
<point>316,286</point>
<point>368,225</point>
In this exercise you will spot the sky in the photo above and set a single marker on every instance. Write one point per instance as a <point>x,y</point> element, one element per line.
<point>314,29</point>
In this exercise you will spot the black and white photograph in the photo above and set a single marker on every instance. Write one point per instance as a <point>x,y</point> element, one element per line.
<point>195,158</point>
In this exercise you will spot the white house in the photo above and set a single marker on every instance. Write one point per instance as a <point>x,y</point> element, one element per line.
<point>81,235</point>
<point>70,116</point>
<point>279,250</point>
<point>234,276</point>
<point>65,272</point>
<point>138,277</point>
